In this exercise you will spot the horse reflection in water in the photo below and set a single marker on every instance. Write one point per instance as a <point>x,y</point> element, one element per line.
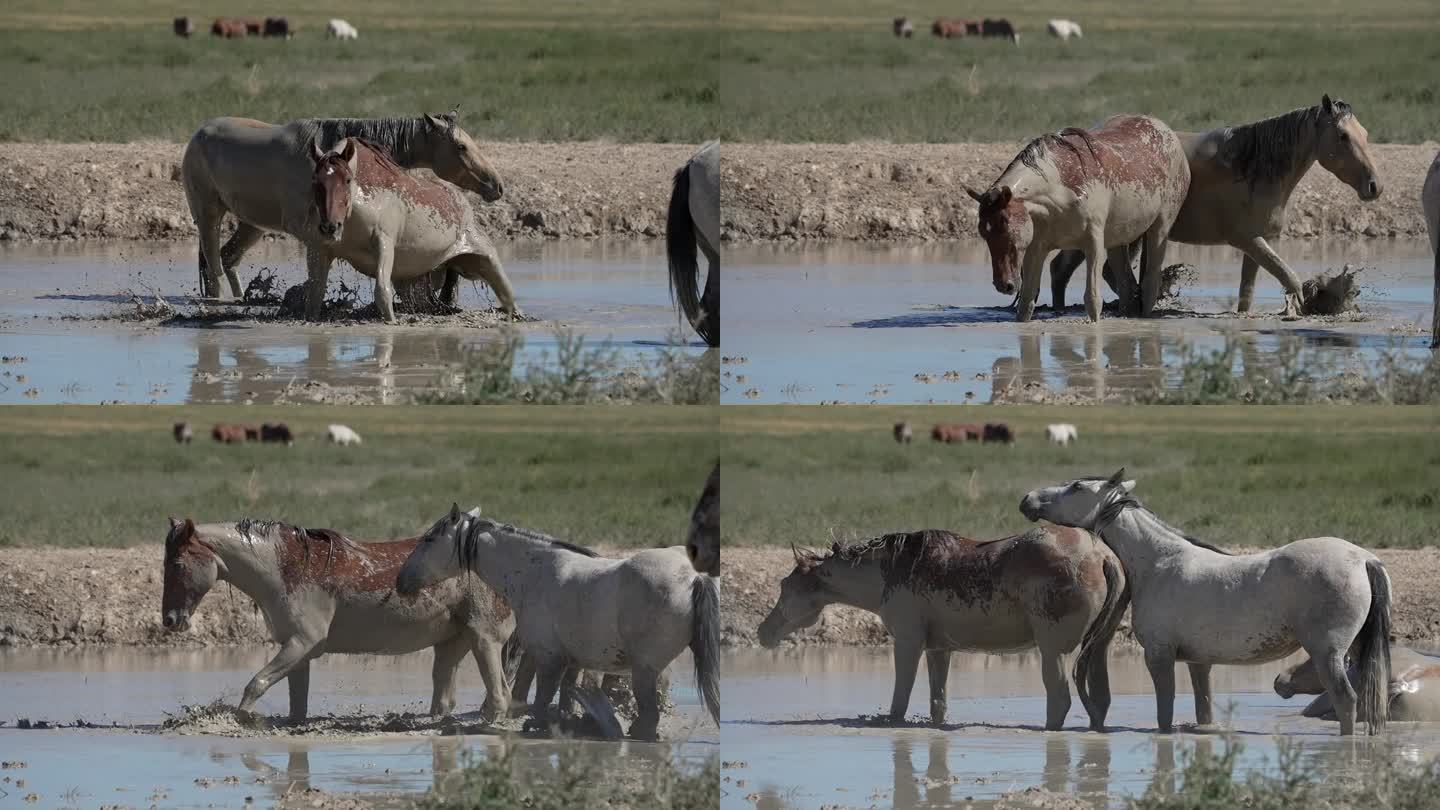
<point>937,787</point>
<point>294,778</point>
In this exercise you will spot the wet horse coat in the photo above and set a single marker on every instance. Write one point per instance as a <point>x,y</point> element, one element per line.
<point>322,593</point>
<point>1414,693</point>
<point>389,224</point>
<point>1057,589</point>
<point>1091,190</point>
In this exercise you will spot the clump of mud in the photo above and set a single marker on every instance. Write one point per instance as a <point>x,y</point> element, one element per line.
<point>220,718</point>
<point>1333,292</point>
<point>262,288</point>
<point>1174,279</point>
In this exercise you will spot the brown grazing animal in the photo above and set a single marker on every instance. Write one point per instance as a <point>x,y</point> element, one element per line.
<point>277,432</point>
<point>999,28</point>
<point>228,28</point>
<point>999,432</point>
<point>228,434</point>
<point>278,27</point>
<point>949,434</point>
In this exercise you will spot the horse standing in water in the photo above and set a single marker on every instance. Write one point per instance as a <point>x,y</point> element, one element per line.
<point>1056,589</point>
<point>691,221</point>
<point>578,611</point>
<point>322,592</point>
<point>1241,179</point>
<point>1199,604</point>
<point>1094,190</point>
<point>703,544</point>
<point>262,174</point>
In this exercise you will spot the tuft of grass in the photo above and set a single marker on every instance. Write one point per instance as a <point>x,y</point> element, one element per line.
<point>580,374</point>
<point>575,780</point>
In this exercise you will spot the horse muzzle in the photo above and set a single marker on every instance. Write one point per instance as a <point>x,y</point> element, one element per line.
<point>330,230</point>
<point>1370,190</point>
<point>176,621</point>
<point>490,190</point>
<point>1005,287</point>
<point>1030,508</point>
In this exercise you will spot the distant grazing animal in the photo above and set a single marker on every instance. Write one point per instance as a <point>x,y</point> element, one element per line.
<point>183,433</point>
<point>253,27</point>
<point>183,26</point>
<point>903,28</point>
<point>903,433</point>
<point>1064,29</point>
<point>1098,190</point>
<point>692,223</point>
<point>323,593</point>
<point>999,28</point>
<point>252,433</point>
<point>1414,693</point>
<point>277,432</point>
<point>228,434</point>
<point>1430,202</point>
<point>1241,179</point>
<point>1057,589</point>
<point>278,27</point>
<point>949,29</point>
<point>998,432</point>
<point>949,434</point>
<point>1063,433</point>
<point>339,29</point>
<point>342,435</point>
<point>228,28</point>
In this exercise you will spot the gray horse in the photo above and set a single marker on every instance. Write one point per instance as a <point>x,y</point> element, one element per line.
<point>261,173</point>
<point>692,219</point>
<point>1414,693</point>
<point>1241,179</point>
<point>1196,603</point>
<point>575,611</point>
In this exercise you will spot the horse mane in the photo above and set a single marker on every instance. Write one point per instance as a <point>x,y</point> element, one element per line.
<point>466,547</point>
<point>898,544</point>
<point>1126,500</point>
<point>400,138</point>
<point>1030,155</point>
<point>273,530</point>
<point>1265,150</point>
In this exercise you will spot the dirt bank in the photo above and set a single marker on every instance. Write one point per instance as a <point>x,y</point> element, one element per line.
<point>126,191</point>
<point>916,192</point>
<point>752,582</point>
<point>52,597</point>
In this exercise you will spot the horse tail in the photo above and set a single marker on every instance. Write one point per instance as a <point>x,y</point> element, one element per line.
<point>683,255</point>
<point>1372,659</point>
<point>1101,630</point>
<point>705,640</point>
<point>510,655</point>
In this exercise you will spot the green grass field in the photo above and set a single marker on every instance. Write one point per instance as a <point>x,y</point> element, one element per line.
<point>1236,476</point>
<point>92,476</point>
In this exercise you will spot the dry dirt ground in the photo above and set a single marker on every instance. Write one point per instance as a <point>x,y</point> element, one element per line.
<point>916,192</point>
<point>752,583</point>
<point>577,190</point>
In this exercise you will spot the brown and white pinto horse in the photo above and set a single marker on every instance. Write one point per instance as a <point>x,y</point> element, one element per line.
<point>322,592</point>
<point>1093,190</point>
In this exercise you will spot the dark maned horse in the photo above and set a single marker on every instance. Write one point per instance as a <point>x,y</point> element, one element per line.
<point>903,433</point>
<point>998,432</point>
<point>228,434</point>
<point>278,27</point>
<point>972,28</point>
<point>999,28</point>
<point>183,27</point>
<point>253,27</point>
<point>903,28</point>
<point>183,433</point>
<point>278,432</point>
<point>950,434</point>
<point>228,28</point>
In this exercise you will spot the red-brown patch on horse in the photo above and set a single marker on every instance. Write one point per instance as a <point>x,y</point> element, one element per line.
<point>934,561</point>
<point>377,170</point>
<point>1071,538</point>
<point>327,559</point>
<point>502,607</point>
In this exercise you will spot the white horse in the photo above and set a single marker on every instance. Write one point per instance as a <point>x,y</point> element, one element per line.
<point>340,29</point>
<point>1430,201</point>
<point>693,219</point>
<point>1064,29</point>
<point>1204,606</point>
<point>576,611</point>
<point>342,435</point>
<point>1062,433</point>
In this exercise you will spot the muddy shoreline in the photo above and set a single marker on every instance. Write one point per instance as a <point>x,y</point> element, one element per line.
<point>752,582</point>
<point>908,192</point>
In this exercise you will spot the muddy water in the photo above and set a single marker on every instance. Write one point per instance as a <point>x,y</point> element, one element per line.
<point>52,295</point>
<point>794,719</point>
<point>865,323</point>
<point>138,764</point>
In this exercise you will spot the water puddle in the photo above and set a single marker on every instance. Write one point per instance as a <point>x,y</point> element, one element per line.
<point>874,323</point>
<point>794,719</point>
<point>133,763</point>
<point>52,294</point>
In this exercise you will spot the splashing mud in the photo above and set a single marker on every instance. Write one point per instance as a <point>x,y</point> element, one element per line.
<point>1332,292</point>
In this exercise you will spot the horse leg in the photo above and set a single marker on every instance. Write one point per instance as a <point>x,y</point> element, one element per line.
<point>291,654</point>
<point>1151,276</point>
<point>907,662</point>
<point>938,664</point>
<point>299,682</point>
<point>1030,269</point>
<point>317,267</point>
<point>1161,663</point>
<point>1330,666</point>
<point>547,680</point>
<point>1098,681</point>
<point>646,683</point>
<point>442,674</point>
<point>1260,250</point>
<point>492,672</point>
<point>1249,269</point>
<point>384,248</point>
<point>1200,684</point>
<point>567,691</point>
<point>524,675</point>
<point>244,238</point>
<point>1123,280</point>
<point>208,214</point>
<point>1062,267</point>
<point>1057,688</point>
<point>450,290</point>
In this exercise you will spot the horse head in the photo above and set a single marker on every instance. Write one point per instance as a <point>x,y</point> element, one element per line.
<point>1343,148</point>
<point>1007,230</point>
<point>333,177</point>
<point>456,157</point>
<point>803,595</point>
<point>440,554</point>
<point>191,570</point>
<point>1075,503</point>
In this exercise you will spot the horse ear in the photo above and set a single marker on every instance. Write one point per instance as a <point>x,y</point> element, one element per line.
<point>1118,479</point>
<point>1326,105</point>
<point>315,152</point>
<point>975,195</point>
<point>436,122</point>
<point>799,555</point>
<point>454,512</point>
<point>347,153</point>
<point>1004,197</point>
<point>174,523</point>
<point>189,528</point>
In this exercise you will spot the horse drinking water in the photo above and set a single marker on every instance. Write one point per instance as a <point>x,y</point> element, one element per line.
<point>1204,606</point>
<point>1056,589</point>
<point>1094,190</point>
<point>577,611</point>
<point>693,220</point>
<point>322,592</point>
